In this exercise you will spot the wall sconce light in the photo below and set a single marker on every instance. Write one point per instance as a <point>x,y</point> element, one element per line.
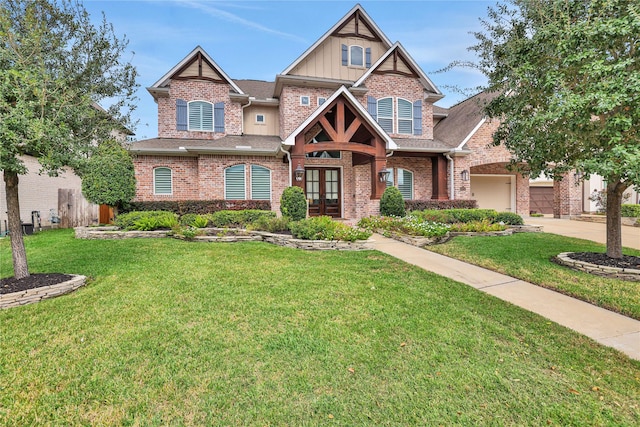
<point>465,175</point>
<point>299,173</point>
<point>383,175</point>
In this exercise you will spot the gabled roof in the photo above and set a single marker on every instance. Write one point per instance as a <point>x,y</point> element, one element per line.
<point>398,52</point>
<point>357,13</point>
<point>463,121</point>
<point>390,144</point>
<point>196,54</point>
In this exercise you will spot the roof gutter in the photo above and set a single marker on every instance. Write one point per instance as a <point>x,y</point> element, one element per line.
<point>288,154</point>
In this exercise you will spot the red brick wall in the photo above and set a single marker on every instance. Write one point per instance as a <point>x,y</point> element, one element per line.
<point>184,174</point>
<point>421,168</point>
<point>292,114</point>
<point>567,197</point>
<point>197,90</point>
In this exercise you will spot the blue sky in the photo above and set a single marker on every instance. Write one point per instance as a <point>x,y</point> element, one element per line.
<point>259,39</point>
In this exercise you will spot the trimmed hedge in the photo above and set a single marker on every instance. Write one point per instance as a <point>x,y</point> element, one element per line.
<point>632,211</point>
<point>391,203</point>
<point>201,207</point>
<point>420,205</point>
<point>452,216</point>
<point>293,203</point>
<point>238,219</point>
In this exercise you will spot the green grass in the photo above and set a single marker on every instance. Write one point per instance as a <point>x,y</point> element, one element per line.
<point>527,256</point>
<point>169,332</point>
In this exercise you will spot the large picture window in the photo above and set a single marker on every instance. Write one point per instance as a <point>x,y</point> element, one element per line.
<point>235,183</point>
<point>162,181</point>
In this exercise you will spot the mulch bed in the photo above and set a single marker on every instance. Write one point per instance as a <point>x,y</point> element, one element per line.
<point>627,261</point>
<point>33,281</point>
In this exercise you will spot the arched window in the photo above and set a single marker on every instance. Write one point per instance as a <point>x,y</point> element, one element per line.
<point>403,179</point>
<point>201,116</point>
<point>385,114</point>
<point>356,56</point>
<point>260,183</point>
<point>162,181</point>
<point>405,117</point>
<point>234,188</point>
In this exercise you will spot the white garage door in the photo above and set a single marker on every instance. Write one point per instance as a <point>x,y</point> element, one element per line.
<point>493,192</point>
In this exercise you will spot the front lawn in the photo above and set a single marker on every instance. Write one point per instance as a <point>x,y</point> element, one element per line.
<point>527,256</point>
<point>169,332</point>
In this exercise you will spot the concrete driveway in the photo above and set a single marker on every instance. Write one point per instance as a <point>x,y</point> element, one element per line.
<point>586,230</point>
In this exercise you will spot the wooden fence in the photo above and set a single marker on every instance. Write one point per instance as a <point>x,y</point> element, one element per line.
<point>74,210</point>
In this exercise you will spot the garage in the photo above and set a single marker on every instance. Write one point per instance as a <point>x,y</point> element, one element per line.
<point>541,200</point>
<point>494,192</point>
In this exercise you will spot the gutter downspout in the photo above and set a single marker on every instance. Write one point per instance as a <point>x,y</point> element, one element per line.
<point>452,192</point>
<point>242,123</point>
<point>288,154</point>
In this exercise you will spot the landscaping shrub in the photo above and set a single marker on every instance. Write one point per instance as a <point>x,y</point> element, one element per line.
<point>324,228</point>
<point>420,205</point>
<point>293,203</point>
<point>202,207</point>
<point>194,220</point>
<point>391,203</point>
<point>239,219</point>
<point>147,220</point>
<point>271,224</point>
<point>631,210</point>
<point>452,216</point>
<point>411,225</point>
<point>508,218</point>
<point>477,226</point>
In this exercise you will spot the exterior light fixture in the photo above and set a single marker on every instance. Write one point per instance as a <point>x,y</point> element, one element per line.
<point>299,173</point>
<point>465,175</point>
<point>383,175</point>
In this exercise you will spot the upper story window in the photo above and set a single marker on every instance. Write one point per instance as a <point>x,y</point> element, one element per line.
<point>305,100</point>
<point>385,114</point>
<point>356,56</point>
<point>199,116</point>
<point>405,117</point>
<point>321,100</point>
<point>162,181</point>
<point>260,119</point>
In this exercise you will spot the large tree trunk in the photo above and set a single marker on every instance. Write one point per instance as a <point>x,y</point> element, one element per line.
<point>20,267</point>
<point>615,190</point>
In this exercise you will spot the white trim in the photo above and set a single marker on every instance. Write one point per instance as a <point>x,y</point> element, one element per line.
<point>331,30</point>
<point>164,80</point>
<point>251,181</point>
<point>324,99</point>
<point>350,63</point>
<point>170,193</point>
<point>397,115</point>
<point>468,137</point>
<point>393,114</point>
<point>213,116</point>
<point>244,169</point>
<point>426,81</point>
<point>390,144</point>
<point>308,104</point>
<point>264,119</point>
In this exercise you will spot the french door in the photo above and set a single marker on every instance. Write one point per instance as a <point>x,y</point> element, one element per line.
<point>323,192</point>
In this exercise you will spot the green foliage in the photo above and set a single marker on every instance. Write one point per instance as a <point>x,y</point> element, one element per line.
<point>391,203</point>
<point>147,220</point>
<point>420,205</point>
<point>508,218</point>
<point>194,220</point>
<point>202,207</point>
<point>324,228</point>
<point>564,79</point>
<point>411,225</point>
<point>631,210</point>
<point>293,203</point>
<point>451,216</point>
<point>238,219</point>
<point>109,176</point>
<point>476,227</point>
<point>270,224</point>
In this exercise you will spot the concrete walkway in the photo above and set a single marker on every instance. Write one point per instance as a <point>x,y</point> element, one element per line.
<point>606,327</point>
<point>586,230</point>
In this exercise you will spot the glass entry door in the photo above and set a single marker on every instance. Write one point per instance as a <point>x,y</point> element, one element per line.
<point>323,192</point>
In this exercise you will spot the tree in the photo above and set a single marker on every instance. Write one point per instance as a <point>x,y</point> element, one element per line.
<point>567,78</point>
<point>55,66</point>
<point>109,176</point>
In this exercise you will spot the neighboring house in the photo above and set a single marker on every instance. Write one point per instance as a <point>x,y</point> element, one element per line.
<point>352,115</point>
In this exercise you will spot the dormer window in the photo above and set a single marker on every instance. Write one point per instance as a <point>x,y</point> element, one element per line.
<point>356,56</point>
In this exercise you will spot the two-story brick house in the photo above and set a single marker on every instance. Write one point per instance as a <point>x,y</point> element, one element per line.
<point>353,114</point>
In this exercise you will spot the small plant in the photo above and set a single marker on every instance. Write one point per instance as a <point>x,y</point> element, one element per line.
<point>271,224</point>
<point>536,215</point>
<point>392,203</point>
<point>194,220</point>
<point>324,228</point>
<point>632,211</point>
<point>147,220</point>
<point>293,203</point>
<point>508,218</point>
<point>410,225</point>
<point>238,219</point>
<point>600,199</point>
<point>483,226</point>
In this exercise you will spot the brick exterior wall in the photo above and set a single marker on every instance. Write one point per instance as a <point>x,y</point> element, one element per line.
<point>197,90</point>
<point>292,114</point>
<point>567,197</point>
<point>421,168</point>
<point>202,177</point>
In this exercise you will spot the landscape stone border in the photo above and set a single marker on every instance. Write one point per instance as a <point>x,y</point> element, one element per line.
<point>598,270</point>
<point>227,235</point>
<point>29,296</point>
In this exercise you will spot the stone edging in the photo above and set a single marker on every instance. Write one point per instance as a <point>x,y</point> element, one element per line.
<point>29,296</point>
<point>228,235</point>
<point>598,270</point>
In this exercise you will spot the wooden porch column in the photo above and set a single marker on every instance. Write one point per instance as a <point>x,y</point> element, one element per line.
<point>377,187</point>
<point>439,178</point>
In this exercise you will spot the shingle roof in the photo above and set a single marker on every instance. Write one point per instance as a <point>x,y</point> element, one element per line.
<point>257,88</point>
<point>462,119</point>
<point>423,145</point>
<point>246,144</point>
